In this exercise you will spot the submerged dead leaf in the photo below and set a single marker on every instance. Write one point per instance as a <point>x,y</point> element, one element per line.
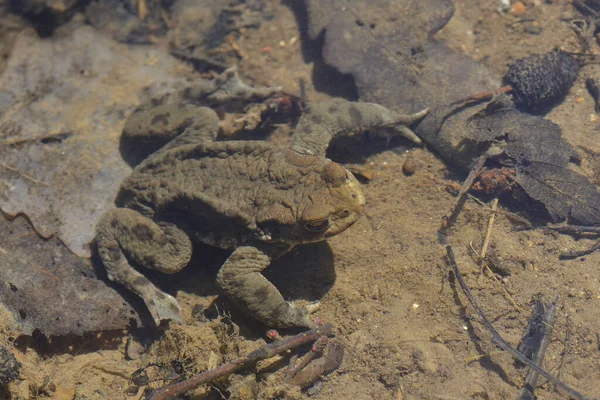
<point>65,102</point>
<point>542,158</point>
<point>403,67</point>
<point>47,287</point>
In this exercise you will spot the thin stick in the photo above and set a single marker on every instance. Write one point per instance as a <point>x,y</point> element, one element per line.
<point>532,376</point>
<point>315,351</point>
<point>450,220</point>
<point>508,296</point>
<point>498,340</point>
<point>54,136</point>
<point>579,253</point>
<point>23,174</point>
<point>488,234</point>
<point>482,96</point>
<point>270,350</point>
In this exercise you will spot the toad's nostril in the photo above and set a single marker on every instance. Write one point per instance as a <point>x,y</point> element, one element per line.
<point>345,213</point>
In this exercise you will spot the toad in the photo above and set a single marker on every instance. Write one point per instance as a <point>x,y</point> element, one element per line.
<point>256,198</point>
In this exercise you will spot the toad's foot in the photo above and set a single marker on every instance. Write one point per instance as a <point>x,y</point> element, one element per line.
<point>320,123</point>
<point>225,88</point>
<point>165,309</point>
<point>241,279</point>
<point>312,307</point>
<point>400,126</point>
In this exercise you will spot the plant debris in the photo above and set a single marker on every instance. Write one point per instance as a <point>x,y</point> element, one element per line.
<point>535,341</point>
<point>61,120</point>
<point>497,339</point>
<point>534,148</point>
<point>270,350</point>
<point>541,80</point>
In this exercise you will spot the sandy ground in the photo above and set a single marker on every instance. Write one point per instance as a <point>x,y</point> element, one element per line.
<point>408,332</point>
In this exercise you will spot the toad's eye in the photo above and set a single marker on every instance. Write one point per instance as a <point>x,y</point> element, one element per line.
<point>317,226</point>
<point>347,176</point>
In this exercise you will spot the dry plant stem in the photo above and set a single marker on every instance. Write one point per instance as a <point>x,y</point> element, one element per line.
<point>462,197</point>
<point>488,234</point>
<point>532,376</point>
<point>581,4</point>
<point>580,253</point>
<point>498,340</point>
<point>315,351</point>
<point>508,296</point>
<point>270,350</point>
<point>577,230</point>
<point>482,96</point>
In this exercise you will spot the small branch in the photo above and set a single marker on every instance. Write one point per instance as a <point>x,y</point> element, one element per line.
<point>497,339</point>
<point>270,350</point>
<point>315,351</point>
<point>450,220</point>
<point>549,318</point>
<point>23,174</point>
<point>57,137</point>
<point>488,234</point>
<point>579,253</point>
<point>577,230</point>
<point>482,96</point>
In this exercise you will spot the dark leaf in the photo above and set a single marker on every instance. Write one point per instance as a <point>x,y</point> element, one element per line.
<point>47,287</point>
<point>565,193</point>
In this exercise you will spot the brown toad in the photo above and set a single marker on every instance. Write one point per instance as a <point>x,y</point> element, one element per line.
<point>253,197</point>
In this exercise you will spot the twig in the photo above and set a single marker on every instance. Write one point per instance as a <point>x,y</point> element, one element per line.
<point>580,253</point>
<point>23,174</point>
<point>270,350</point>
<point>482,96</point>
<point>42,138</point>
<point>488,234</point>
<point>498,340</point>
<point>508,296</point>
<point>577,230</point>
<point>531,381</point>
<point>315,351</point>
<point>566,349</point>
<point>450,220</point>
<point>582,6</point>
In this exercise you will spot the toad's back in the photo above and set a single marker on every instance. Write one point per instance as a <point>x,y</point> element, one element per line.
<point>222,185</point>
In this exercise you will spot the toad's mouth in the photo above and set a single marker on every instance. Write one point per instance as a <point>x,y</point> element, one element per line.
<point>340,225</point>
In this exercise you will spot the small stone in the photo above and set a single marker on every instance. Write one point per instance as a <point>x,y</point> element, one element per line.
<point>517,9</point>
<point>408,168</point>
<point>533,30</point>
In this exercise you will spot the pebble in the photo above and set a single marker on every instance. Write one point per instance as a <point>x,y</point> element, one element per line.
<point>533,30</point>
<point>408,168</point>
<point>517,9</point>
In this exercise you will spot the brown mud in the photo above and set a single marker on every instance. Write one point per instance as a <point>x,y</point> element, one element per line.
<point>408,332</point>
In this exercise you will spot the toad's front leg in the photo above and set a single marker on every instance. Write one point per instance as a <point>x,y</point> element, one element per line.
<point>323,121</point>
<point>241,279</point>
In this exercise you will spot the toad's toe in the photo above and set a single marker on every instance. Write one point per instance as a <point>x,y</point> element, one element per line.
<point>165,308</point>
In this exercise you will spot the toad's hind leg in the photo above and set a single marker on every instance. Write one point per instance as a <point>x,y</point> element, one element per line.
<point>124,236</point>
<point>241,279</point>
<point>151,127</point>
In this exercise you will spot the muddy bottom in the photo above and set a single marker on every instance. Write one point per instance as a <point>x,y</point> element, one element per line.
<point>408,331</point>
